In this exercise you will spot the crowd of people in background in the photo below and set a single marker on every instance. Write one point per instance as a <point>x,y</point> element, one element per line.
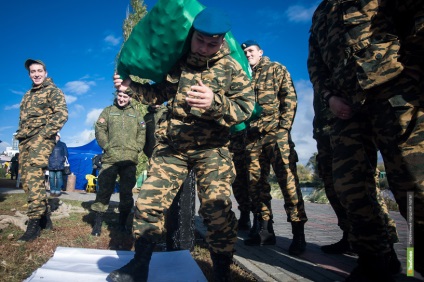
<point>366,66</point>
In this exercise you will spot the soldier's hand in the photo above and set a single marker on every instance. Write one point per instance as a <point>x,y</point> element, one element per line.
<point>120,84</point>
<point>340,107</point>
<point>200,96</point>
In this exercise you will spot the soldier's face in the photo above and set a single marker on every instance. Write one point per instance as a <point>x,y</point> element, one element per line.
<point>205,45</point>
<point>253,55</point>
<point>37,73</point>
<point>122,99</point>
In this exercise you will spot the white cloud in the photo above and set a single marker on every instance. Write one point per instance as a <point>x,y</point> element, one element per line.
<point>299,13</point>
<point>70,99</point>
<point>17,92</point>
<point>112,40</point>
<point>302,126</point>
<point>84,137</point>
<point>76,110</point>
<point>78,87</point>
<point>13,107</point>
<point>92,116</point>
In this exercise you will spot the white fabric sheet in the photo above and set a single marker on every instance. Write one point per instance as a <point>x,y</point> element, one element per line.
<point>77,264</point>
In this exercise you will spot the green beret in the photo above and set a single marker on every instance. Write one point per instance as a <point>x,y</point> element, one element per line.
<point>212,22</point>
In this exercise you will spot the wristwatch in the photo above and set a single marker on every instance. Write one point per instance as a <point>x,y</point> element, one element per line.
<point>327,99</point>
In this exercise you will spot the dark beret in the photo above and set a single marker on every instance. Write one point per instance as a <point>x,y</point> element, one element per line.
<point>249,43</point>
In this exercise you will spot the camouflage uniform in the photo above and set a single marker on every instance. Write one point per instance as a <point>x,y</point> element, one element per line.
<point>241,182</point>
<point>322,124</point>
<point>121,133</point>
<point>269,142</point>
<point>195,138</point>
<point>354,53</point>
<point>43,112</point>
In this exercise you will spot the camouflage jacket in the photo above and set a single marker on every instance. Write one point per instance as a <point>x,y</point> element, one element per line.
<point>275,93</point>
<point>43,111</point>
<point>352,48</point>
<point>121,133</point>
<point>191,128</point>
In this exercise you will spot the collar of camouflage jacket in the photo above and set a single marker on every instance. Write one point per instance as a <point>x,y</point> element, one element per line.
<point>48,81</point>
<point>198,61</point>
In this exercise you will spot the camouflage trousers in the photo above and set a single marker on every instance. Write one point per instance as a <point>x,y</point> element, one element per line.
<point>33,160</point>
<point>214,175</point>
<point>106,183</point>
<point>324,163</point>
<point>275,148</point>
<point>394,117</point>
<point>241,182</point>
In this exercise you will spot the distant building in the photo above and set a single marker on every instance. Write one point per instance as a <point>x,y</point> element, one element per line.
<point>11,151</point>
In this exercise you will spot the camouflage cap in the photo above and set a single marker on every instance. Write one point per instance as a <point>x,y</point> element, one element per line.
<point>249,43</point>
<point>212,22</point>
<point>31,61</point>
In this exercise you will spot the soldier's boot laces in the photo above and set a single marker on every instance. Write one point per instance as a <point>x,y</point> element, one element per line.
<point>97,227</point>
<point>341,247</point>
<point>371,268</point>
<point>298,244</point>
<point>221,267</point>
<point>122,223</point>
<point>137,270</point>
<point>32,231</point>
<point>244,221</point>
<point>265,236</point>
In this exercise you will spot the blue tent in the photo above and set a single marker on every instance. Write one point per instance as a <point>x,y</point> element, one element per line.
<point>80,161</point>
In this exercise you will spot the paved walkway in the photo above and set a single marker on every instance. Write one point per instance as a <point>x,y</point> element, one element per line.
<point>273,263</point>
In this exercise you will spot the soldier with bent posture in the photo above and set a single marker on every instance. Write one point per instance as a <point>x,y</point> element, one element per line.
<point>367,69</point>
<point>208,92</point>
<point>269,143</point>
<point>43,112</point>
<point>121,133</point>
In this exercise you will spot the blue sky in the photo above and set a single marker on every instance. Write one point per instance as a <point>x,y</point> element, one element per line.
<point>78,40</point>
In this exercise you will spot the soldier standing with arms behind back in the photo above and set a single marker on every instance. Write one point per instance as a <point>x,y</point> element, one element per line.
<point>269,143</point>
<point>43,112</point>
<point>121,133</point>
<point>208,92</point>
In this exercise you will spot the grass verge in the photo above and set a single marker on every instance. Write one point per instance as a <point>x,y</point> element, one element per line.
<point>18,261</point>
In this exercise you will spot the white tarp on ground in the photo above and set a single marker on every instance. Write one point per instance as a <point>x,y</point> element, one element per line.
<point>77,264</point>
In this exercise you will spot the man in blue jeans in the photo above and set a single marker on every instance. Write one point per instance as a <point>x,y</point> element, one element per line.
<point>56,166</point>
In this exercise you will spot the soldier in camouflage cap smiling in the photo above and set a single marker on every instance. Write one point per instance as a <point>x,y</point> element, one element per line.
<point>43,112</point>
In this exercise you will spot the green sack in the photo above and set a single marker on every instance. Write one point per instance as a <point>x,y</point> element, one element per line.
<point>161,38</point>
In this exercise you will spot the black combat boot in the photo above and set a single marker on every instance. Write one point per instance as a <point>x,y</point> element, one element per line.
<point>32,231</point>
<point>298,244</point>
<point>123,216</point>
<point>371,268</point>
<point>419,248</point>
<point>244,221</point>
<point>45,220</point>
<point>394,264</point>
<point>97,227</point>
<point>221,267</point>
<point>341,247</point>
<point>137,270</point>
<point>265,236</point>
<point>255,226</point>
